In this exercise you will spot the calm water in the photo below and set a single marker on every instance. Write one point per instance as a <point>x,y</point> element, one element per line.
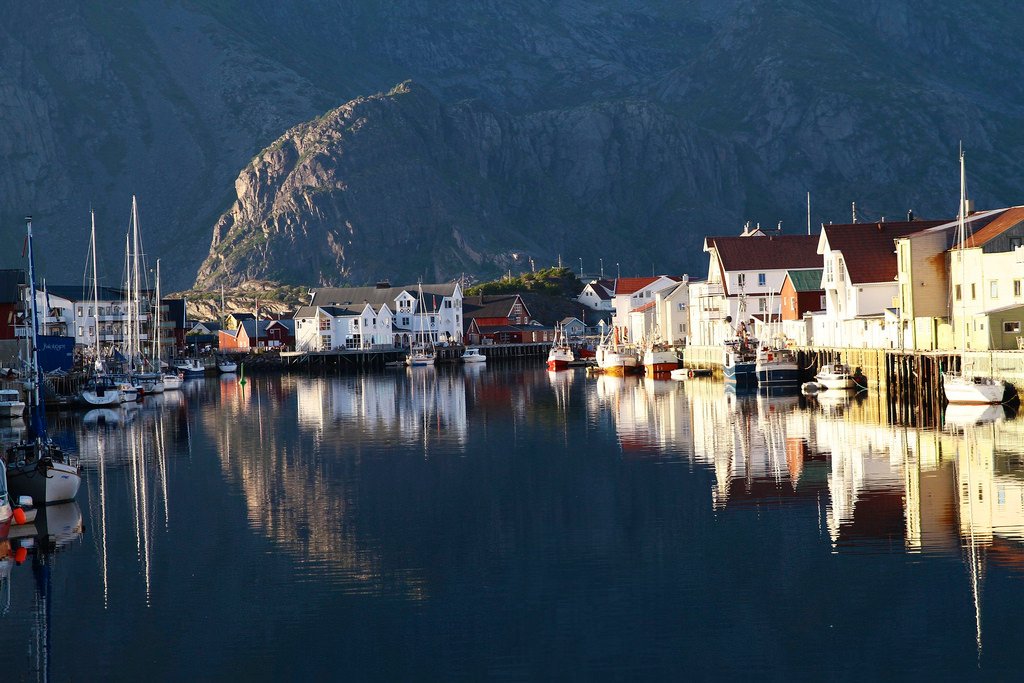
<point>512,523</point>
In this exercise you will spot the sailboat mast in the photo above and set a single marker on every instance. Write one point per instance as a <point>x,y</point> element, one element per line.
<point>95,289</point>
<point>159,364</point>
<point>135,276</point>
<point>961,235</point>
<point>129,326</point>
<point>39,423</point>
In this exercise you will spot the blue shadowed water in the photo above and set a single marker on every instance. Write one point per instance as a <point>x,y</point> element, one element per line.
<point>507,522</point>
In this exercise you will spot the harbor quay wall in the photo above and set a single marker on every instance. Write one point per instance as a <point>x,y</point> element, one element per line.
<point>900,372</point>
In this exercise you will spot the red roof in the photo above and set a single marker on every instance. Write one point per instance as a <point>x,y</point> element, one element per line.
<point>869,249</point>
<point>645,307</point>
<point>772,252</point>
<point>629,285</point>
<point>1006,220</point>
<point>485,322</point>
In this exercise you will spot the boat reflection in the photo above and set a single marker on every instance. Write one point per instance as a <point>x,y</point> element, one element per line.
<point>875,485</point>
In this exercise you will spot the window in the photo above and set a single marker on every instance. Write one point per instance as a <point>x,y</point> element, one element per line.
<point>993,289</point>
<point>1016,287</point>
<point>79,311</point>
<point>325,341</point>
<point>355,323</point>
<point>1011,326</point>
<point>842,271</point>
<point>681,306</point>
<point>762,280</point>
<point>405,322</point>
<point>741,279</point>
<point>958,293</point>
<point>353,342</point>
<point>681,327</point>
<point>828,270</point>
<point>92,331</point>
<point>325,323</point>
<point>974,292</point>
<point>762,305</point>
<point>81,331</point>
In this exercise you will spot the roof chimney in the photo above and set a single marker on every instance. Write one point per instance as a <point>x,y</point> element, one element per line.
<point>910,216</point>
<point>383,284</point>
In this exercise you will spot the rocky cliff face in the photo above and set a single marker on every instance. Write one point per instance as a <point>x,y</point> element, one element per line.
<point>169,100</point>
<point>405,186</point>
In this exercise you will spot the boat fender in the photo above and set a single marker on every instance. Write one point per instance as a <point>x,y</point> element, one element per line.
<point>690,374</point>
<point>20,555</point>
<point>19,516</point>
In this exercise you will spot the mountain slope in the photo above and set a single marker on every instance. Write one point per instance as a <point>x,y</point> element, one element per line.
<point>403,186</point>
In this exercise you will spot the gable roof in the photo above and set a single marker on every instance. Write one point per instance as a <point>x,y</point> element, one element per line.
<point>238,315</point>
<point>602,288</point>
<point>488,305</point>
<point>806,280</point>
<point>570,319</point>
<point>869,249</point>
<point>771,252</point>
<point>629,285</point>
<point>646,307</point>
<point>1007,219</point>
<point>254,328</point>
<point>378,296</point>
<point>287,323</point>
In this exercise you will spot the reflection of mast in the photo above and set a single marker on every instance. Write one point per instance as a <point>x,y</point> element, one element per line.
<point>974,559</point>
<point>44,609</point>
<point>103,516</point>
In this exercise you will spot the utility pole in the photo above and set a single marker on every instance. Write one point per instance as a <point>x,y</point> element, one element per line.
<point>581,266</point>
<point>808,213</point>
<point>854,207</point>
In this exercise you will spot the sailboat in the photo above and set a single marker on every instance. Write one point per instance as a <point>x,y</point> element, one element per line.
<point>148,381</point>
<point>561,353</point>
<point>101,389</point>
<point>422,352</point>
<point>964,387</point>
<point>37,467</point>
<point>170,380</point>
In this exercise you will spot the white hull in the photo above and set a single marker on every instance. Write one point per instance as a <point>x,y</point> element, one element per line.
<point>977,390</point>
<point>835,376</point>
<point>107,398</point>
<point>473,356</point>
<point>680,373</point>
<point>227,367</point>
<point>171,382</point>
<point>657,362</point>
<point>417,360</point>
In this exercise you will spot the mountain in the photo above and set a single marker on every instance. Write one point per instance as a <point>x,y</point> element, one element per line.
<point>168,100</point>
<point>406,186</point>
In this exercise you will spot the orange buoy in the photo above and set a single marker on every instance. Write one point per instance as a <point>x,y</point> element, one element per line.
<point>19,516</point>
<point>20,554</point>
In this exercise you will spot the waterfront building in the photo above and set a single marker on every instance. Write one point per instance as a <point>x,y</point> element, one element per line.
<point>631,293</point>
<point>859,279</point>
<point>673,312</point>
<point>597,295</point>
<point>573,328</point>
<point>379,317</point>
<point>249,335</point>
<point>801,297</point>
<point>745,276</point>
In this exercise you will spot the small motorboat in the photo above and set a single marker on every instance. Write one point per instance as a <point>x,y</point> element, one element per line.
<point>835,376</point>
<point>172,381</point>
<point>680,374</point>
<point>191,367</point>
<point>11,404</point>
<point>473,356</point>
<point>226,365</point>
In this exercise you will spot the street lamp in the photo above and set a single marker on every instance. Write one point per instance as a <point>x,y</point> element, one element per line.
<point>581,266</point>
<point>618,271</point>
<point>602,268</point>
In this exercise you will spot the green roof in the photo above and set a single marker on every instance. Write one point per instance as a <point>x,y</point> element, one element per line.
<point>806,280</point>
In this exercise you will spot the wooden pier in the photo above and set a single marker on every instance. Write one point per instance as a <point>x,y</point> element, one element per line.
<point>368,359</point>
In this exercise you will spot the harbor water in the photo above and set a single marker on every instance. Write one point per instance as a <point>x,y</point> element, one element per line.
<point>509,522</point>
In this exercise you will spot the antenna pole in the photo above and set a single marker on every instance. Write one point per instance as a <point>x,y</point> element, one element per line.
<point>854,208</point>
<point>808,213</point>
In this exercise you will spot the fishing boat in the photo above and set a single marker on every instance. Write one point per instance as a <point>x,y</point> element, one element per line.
<point>660,359</point>
<point>561,353</point>
<point>776,368</point>
<point>11,404</point>
<point>473,356</point>
<point>835,376</point>
<point>37,467</point>
<point>226,365</point>
<point>739,364</point>
<point>614,357</point>
<point>190,368</point>
<point>966,387</point>
<point>172,381</point>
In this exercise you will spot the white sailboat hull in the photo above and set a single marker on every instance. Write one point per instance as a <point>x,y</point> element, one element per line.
<point>976,390</point>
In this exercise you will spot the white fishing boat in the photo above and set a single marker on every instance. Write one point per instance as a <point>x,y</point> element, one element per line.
<point>835,376</point>
<point>660,359</point>
<point>561,353</point>
<point>226,365</point>
<point>37,467</point>
<point>965,386</point>
<point>473,356</point>
<point>11,404</point>
<point>614,357</point>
